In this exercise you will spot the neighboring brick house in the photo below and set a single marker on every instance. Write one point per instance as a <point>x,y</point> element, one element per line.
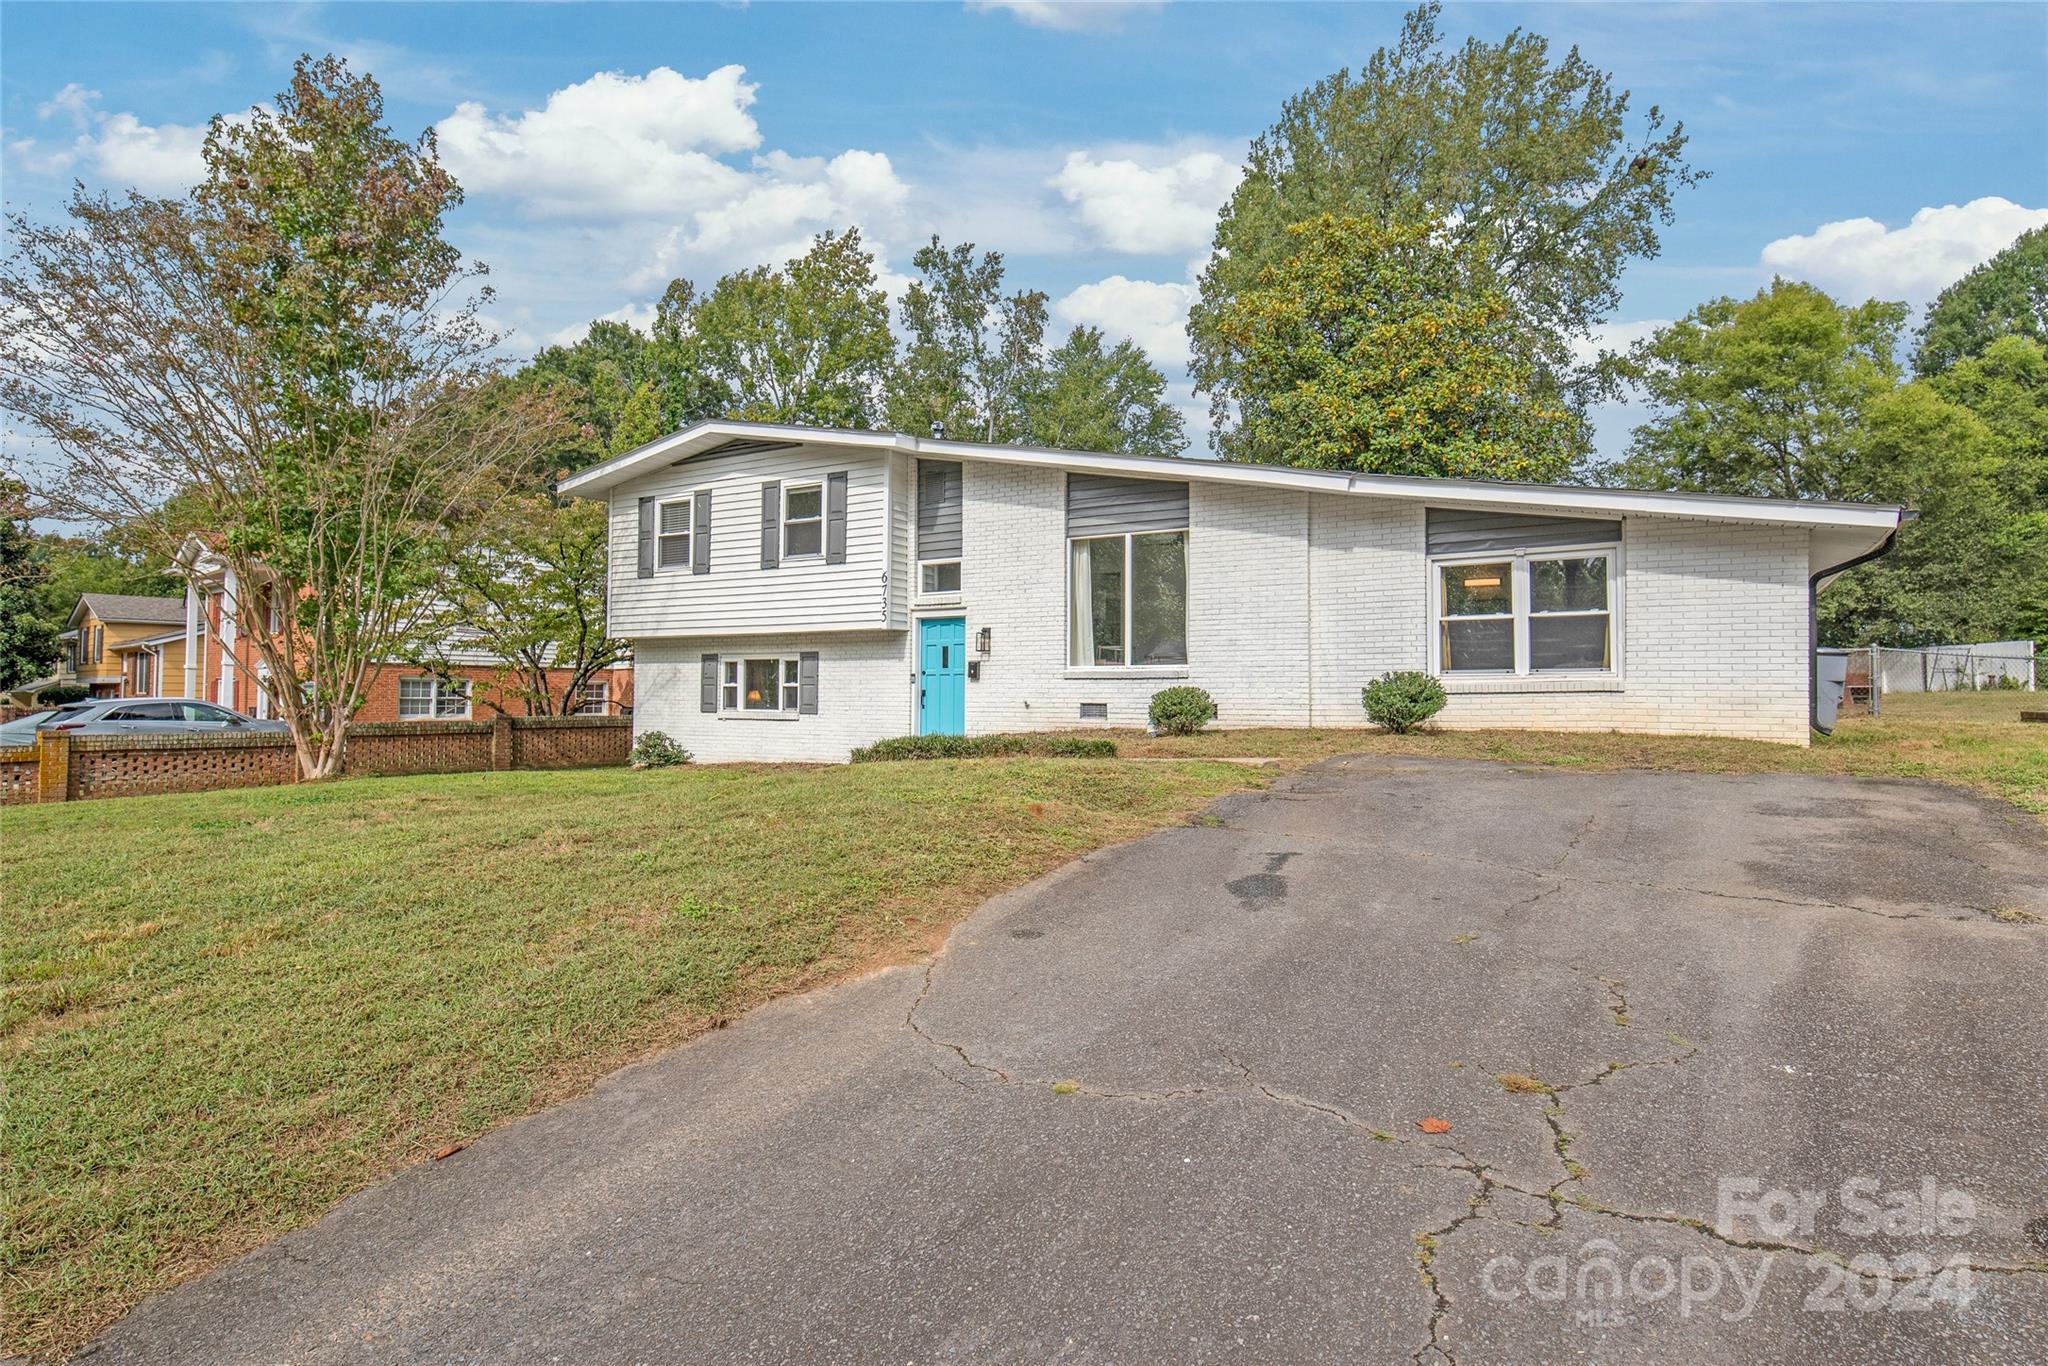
<point>791,593</point>
<point>211,657</point>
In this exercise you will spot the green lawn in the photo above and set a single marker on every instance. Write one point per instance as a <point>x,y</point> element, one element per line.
<point>225,1011</point>
<point>1970,740</point>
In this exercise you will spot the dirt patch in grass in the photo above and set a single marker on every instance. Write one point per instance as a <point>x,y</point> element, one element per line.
<point>224,1012</point>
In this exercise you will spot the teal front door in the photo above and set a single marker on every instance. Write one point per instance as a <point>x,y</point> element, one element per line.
<point>942,676</point>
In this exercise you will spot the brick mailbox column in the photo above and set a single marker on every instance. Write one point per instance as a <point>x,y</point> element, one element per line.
<point>53,769</point>
<point>502,757</point>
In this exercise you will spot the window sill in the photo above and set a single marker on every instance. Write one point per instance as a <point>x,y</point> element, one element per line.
<point>1526,683</point>
<point>757,716</point>
<point>924,600</point>
<point>1133,671</point>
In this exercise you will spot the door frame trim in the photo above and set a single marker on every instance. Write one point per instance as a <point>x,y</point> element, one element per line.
<point>917,672</point>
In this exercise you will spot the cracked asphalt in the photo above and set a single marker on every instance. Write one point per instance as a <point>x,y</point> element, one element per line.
<point>1166,1104</point>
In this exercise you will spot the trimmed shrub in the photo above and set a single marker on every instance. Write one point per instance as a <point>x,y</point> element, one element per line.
<point>1399,702</point>
<point>985,747</point>
<point>58,694</point>
<point>1181,711</point>
<point>655,750</point>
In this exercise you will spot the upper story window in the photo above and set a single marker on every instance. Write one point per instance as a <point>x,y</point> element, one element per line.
<point>672,534</point>
<point>1549,611</point>
<point>803,520</point>
<point>938,526</point>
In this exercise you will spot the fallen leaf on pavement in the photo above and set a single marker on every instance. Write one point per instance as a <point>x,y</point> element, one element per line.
<point>1433,1125</point>
<point>450,1149</point>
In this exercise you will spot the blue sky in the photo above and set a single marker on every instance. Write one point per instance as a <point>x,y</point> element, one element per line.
<point>1873,149</point>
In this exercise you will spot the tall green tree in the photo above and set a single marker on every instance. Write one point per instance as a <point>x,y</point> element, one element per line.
<point>294,352</point>
<point>28,639</point>
<point>590,381</point>
<point>1792,395</point>
<point>1089,397</point>
<point>807,343</point>
<point>639,422</point>
<point>1529,156</point>
<point>1372,348</point>
<point>2006,296</point>
<point>1764,396</point>
<point>970,353</point>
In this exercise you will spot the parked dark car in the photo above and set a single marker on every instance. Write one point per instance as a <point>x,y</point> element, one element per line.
<point>134,716</point>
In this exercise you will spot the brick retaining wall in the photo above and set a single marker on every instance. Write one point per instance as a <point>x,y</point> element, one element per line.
<point>79,768</point>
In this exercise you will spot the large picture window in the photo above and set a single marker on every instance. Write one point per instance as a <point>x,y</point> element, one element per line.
<point>1541,612</point>
<point>1128,600</point>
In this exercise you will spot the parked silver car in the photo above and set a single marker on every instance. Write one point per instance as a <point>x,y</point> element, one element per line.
<point>134,716</point>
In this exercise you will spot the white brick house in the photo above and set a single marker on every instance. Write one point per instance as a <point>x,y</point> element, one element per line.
<point>793,593</point>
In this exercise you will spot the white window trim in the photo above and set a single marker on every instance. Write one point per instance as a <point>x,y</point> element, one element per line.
<point>1518,563</point>
<point>604,698</point>
<point>941,594</point>
<point>439,686</point>
<point>1127,669</point>
<point>788,487</point>
<point>689,538</point>
<point>788,686</point>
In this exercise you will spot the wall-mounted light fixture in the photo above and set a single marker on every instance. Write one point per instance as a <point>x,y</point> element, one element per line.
<point>981,640</point>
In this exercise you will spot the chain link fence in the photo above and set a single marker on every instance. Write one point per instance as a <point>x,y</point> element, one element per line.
<point>1956,668</point>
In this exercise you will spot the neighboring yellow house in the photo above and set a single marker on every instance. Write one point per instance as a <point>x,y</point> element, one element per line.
<point>125,646</point>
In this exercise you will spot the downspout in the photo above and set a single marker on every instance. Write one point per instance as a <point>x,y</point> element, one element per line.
<point>1813,619</point>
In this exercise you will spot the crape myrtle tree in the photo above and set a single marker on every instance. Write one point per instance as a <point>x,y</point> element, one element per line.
<point>293,351</point>
<point>1527,157</point>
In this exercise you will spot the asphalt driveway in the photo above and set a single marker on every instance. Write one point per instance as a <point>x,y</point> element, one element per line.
<point>1699,1041</point>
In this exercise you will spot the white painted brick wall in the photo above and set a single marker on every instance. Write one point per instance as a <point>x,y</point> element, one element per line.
<point>864,695</point>
<point>1296,601</point>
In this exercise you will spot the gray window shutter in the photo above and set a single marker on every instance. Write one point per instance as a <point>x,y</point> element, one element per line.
<point>700,533</point>
<point>646,538</point>
<point>707,698</point>
<point>771,525</point>
<point>938,509</point>
<point>807,683</point>
<point>835,518</point>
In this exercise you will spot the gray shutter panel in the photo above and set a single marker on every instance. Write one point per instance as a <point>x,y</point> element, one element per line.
<point>938,509</point>
<point>835,518</point>
<point>771,525</point>
<point>700,533</point>
<point>707,697</point>
<point>1460,531</point>
<point>1099,505</point>
<point>807,683</point>
<point>646,538</point>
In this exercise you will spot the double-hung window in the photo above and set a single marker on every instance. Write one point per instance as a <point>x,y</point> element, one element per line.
<point>803,520</point>
<point>769,685</point>
<point>438,699</point>
<point>1127,599</point>
<point>1535,612</point>
<point>594,699</point>
<point>672,535</point>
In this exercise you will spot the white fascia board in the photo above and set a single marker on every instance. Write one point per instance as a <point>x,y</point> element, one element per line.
<point>700,436</point>
<point>1881,517</point>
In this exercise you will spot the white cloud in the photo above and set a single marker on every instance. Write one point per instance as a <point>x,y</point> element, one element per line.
<point>1860,258</point>
<point>119,149</point>
<point>1071,16</point>
<point>1152,313</point>
<point>1167,206</point>
<point>614,144</point>
<point>640,316</point>
<point>1614,337</point>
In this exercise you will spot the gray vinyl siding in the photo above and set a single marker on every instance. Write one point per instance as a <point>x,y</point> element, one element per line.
<point>1464,531</point>
<point>734,594</point>
<point>1100,505</point>
<point>938,509</point>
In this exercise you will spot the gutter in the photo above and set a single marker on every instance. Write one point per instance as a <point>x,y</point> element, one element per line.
<point>1813,616</point>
